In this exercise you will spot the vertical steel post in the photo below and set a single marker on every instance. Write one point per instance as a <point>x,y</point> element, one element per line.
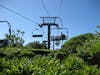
<point>48,24</point>
<point>49,33</point>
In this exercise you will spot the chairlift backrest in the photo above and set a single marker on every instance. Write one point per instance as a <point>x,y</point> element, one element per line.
<point>55,38</point>
<point>37,34</point>
<point>63,36</point>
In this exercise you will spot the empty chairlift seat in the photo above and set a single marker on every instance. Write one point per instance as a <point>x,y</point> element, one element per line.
<point>37,33</point>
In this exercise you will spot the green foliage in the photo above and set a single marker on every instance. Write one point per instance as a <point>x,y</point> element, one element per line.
<point>16,39</point>
<point>46,65</point>
<point>71,45</point>
<point>27,53</point>
<point>95,52</point>
<point>36,45</point>
<point>11,52</point>
<point>95,47</point>
<point>28,61</point>
<point>86,46</point>
<point>90,51</point>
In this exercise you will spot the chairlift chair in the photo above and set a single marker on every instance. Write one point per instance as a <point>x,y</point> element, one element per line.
<point>60,37</point>
<point>55,38</point>
<point>57,42</point>
<point>45,41</point>
<point>37,35</point>
<point>63,36</point>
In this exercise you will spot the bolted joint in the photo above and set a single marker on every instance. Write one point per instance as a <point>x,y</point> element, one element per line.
<point>40,26</point>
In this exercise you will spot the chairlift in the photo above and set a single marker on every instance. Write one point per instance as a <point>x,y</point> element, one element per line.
<point>62,36</point>
<point>57,42</point>
<point>55,38</point>
<point>36,34</point>
<point>45,41</point>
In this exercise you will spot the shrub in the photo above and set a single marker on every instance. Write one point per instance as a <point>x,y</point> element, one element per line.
<point>71,45</point>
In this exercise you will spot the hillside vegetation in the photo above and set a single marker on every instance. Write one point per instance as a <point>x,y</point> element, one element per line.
<point>71,45</point>
<point>78,56</point>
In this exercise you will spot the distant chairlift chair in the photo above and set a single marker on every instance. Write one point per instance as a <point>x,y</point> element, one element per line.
<point>62,36</point>
<point>36,35</point>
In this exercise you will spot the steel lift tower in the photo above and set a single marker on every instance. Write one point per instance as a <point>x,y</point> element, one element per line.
<point>49,21</point>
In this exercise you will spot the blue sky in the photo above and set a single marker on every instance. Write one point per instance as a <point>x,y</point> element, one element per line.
<point>79,16</point>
